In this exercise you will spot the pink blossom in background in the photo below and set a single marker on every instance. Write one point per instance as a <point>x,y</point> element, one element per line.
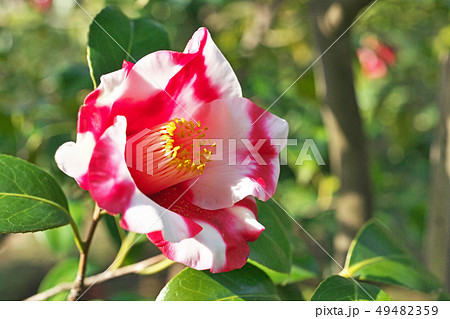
<point>375,58</point>
<point>42,5</point>
<point>199,211</point>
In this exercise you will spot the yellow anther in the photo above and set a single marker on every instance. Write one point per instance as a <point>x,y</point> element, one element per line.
<point>177,142</point>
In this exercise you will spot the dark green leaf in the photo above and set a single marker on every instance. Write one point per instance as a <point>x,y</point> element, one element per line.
<point>30,199</point>
<point>337,288</point>
<point>443,296</point>
<point>127,296</point>
<point>8,135</point>
<point>376,255</point>
<point>113,229</point>
<point>304,265</point>
<point>247,283</point>
<point>272,249</point>
<point>280,235</point>
<point>290,292</point>
<point>113,37</point>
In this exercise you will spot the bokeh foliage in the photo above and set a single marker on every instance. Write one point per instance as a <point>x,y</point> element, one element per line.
<point>44,78</point>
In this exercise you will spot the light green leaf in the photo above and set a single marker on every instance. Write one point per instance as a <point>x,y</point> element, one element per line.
<point>113,38</point>
<point>60,240</point>
<point>30,199</point>
<point>376,255</point>
<point>337,288</point>
<point>65,271</point>
<point>247,283</point>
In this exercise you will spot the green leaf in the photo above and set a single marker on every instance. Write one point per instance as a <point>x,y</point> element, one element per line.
<point>376,255</point>
<point>113,37</point>
<point>292,262</point>
<point>8,135</point>
<point>65,271</point>
<point>272,249</point>
<point>337,288</point>
<point>303,267</point>
<point>30,199</point>
<point>114,231</point>
<point>60,240</point>
<point>247,283</point>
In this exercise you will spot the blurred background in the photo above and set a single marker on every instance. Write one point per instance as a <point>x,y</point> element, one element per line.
<point>375,106</point>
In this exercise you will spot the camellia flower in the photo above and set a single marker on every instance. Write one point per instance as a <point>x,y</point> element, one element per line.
<point>136,154</point>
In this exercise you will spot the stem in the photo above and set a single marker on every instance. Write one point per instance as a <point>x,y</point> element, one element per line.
<point>78,284</point>
<point>147,266</point>
<point>127,242</point>
<point>120,230</point>
<point>150,270</point>
<point>78,241</point>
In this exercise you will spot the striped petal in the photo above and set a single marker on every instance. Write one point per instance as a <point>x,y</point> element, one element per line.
<point>112,187</point>
<point>249,164</point>
<point>93,119</point>
<point>222,243</point>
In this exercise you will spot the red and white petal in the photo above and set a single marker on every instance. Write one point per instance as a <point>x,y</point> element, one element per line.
<point>95,114</point>
<point>93,119</point>
<point>166,84</point>
<point>250,164</point>
<point>142,98</point>
<point>135,91</point>
<point>109,87</point>
<point>161,86</point>
<point>73,158</point>
<point>208,76</point>
<point>111,186</point>
<point>222,243</point>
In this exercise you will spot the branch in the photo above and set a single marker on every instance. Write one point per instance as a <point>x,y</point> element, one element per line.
<point>78,284</point>
<point>136,268</point>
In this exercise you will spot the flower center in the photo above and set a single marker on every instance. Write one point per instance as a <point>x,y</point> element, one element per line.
<point>168,154</point>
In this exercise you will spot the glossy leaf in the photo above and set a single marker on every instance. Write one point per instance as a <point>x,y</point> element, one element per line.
<point>376,255</point>
<point>303,265</point>
<point>247,283</point>
<point>30,199</point>
<point>337,288</point>
<point>293,262</point>
<point>113,38</point>
<point>272,249</point>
